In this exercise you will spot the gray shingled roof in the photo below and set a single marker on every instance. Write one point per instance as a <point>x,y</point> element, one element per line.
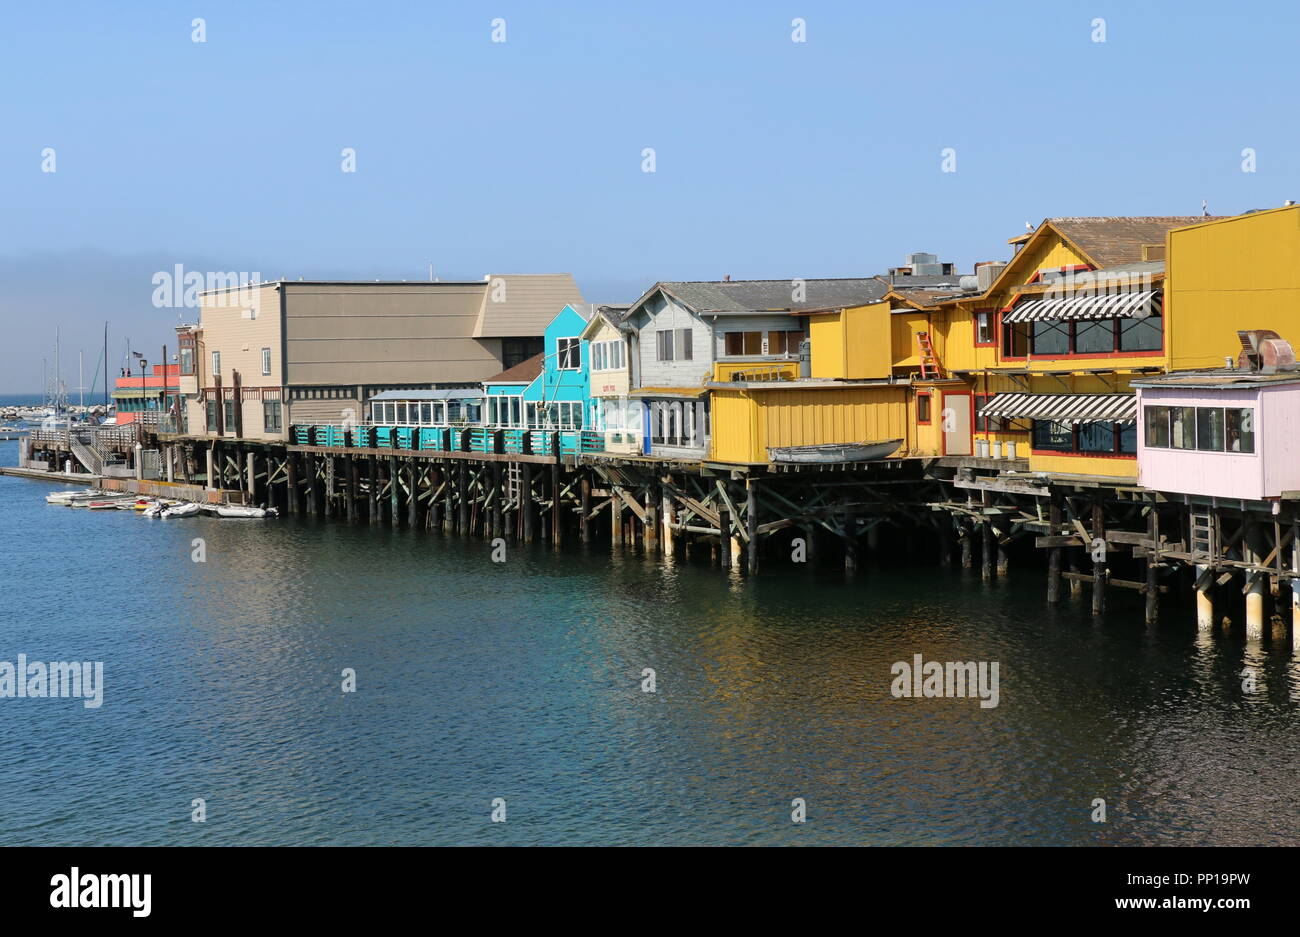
<point>722,296</point>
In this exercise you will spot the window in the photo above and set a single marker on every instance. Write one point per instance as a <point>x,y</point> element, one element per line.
<point>1182,427</point>
<point>1050,338</point>
<point>923,408</point>
<point>271,416</point>
<point>1094,337</point>
<point>1209,429</point>
<point>674,344</point>
<point>266,361</point>
<point>607,356</point>
<point>426,414</point>
<point>1157,426</point>
<point>992,424</point>
<point>1015,340</point>
<point>568,353</point>
<point>682,344</point>
<point>518,350</point>
<point>664,345</point>
<point>1142,334</point>
<point>984,328</point>
<point>783,343</point>
<point>1241,429</point>
<point>229,416</point>
<point>1053,436</point>
<point>187,360</point>
<point>216,363</point>
<point>212,415</point>
<point>1097,437</point>
<point>743,343</point>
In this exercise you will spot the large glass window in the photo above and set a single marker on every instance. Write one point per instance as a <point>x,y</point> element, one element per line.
<point>1240,425</point>
<point>1141,334</point>
<point>1128,438</point>
<point>187,360</point>
<point>1097,437</point>
<point>1182,427</point>
<point>212,416</point>
<point>1053,435</point>
<point>1209,429</point>
<point>1157,426</point>
<point>1051,338</point>
<point>1015,339</point>
<point>1093,337</point>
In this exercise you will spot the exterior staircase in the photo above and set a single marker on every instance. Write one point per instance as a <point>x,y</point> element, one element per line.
<point>82,444</point>
<point>930,367</point>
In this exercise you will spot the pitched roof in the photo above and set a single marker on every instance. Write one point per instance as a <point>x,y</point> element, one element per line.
<point>523,373</point>
<point>723,296</point>
<point>1114,240</point>
<point>524,303</point>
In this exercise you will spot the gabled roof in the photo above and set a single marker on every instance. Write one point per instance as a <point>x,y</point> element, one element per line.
<point>613,316</point>
<point>525,303</point>
<point>1108,241</point>
<point>720,297</point>
<point>525,372</point>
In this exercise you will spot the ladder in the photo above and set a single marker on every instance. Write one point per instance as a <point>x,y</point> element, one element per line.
<point>1203,539</point>
<point>514,484</point>
<point>930,369</point>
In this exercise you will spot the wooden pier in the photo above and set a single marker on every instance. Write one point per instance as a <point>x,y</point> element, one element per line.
<point>1240,560</point>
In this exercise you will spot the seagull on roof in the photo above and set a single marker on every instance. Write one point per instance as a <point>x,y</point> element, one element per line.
<point>1028,226</point>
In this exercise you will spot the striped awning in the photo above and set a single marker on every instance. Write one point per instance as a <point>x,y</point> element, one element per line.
<point>1088,306</point>
<point>1064,408</point>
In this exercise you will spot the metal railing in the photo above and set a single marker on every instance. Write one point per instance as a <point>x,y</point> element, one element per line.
<point>513,441</point>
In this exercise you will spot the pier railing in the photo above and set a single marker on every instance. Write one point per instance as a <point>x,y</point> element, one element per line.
<point>481,439</point>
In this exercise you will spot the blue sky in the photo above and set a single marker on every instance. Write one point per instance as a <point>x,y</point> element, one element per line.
<point>773,158</point>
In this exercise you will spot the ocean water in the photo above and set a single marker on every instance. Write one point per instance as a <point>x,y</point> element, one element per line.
<point>522,681</point>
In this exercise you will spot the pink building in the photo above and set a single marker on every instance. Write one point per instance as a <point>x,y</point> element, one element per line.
<point>1227,433</point>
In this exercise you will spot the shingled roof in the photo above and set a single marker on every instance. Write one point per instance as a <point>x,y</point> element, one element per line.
<point>722,296</point>
<point>523,373</point>
<point>1113,240</point>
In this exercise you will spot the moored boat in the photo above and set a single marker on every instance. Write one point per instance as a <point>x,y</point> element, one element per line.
<point>186,509</point>
<point>240,510</point>
<point>830,453</point>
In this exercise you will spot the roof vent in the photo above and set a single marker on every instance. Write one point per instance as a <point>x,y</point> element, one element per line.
<point>1264,351</point>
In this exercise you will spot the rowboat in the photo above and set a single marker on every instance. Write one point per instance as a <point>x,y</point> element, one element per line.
<point>834,452</point>
<point>239,510</point>
<point>181,510</point>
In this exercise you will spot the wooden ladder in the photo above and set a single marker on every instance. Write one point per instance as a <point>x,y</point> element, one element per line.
<point>930,369</point>
<point>1203,537</point>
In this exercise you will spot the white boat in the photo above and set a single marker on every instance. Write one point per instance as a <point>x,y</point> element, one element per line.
<point>834,452</point>
<point>67,497</point>
<point>240,510</point>
<point>187,509</point>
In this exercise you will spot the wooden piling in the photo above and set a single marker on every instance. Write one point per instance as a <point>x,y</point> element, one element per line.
<point>1099,570</point>
<point>1054,553</point>
<point>751,527</point>
<point>1152,610</point>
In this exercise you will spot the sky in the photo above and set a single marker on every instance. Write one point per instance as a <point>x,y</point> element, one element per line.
<point>772,158</point>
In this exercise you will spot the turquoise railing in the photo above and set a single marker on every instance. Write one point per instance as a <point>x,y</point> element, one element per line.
<point>446,438</point>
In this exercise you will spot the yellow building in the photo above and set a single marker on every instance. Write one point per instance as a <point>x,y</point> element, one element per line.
<point>1049,346</point>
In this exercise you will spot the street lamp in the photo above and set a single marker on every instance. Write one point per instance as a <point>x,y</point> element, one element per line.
<point>143,364</point>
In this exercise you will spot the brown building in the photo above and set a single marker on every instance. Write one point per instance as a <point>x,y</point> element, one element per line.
<point>268,354</point>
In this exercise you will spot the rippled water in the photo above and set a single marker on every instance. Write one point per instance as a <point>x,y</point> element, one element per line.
<point>522,681</point>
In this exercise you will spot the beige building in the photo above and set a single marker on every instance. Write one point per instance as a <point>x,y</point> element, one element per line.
<point>270,354</point>
<point>617,415</point>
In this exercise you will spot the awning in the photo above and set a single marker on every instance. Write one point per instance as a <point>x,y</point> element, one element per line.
<point>1064,408</point>
<point>1088,306</point>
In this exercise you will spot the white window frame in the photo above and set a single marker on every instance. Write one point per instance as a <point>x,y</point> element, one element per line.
<point>568,354</point>
<point>266,362</point>
<point>216,363</point>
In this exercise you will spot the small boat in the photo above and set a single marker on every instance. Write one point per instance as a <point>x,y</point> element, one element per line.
<point>67,497</point>
<point>156,508</point>
<point>188,509</point>
<point>834,452</point>
<point>240,510</point>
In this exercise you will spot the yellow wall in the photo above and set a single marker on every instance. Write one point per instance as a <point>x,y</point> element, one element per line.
<point>1239,273</point>
<point>851,343</point>
<point>746,422</point>
<point>1084,465</point>
<point>725,370</point>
